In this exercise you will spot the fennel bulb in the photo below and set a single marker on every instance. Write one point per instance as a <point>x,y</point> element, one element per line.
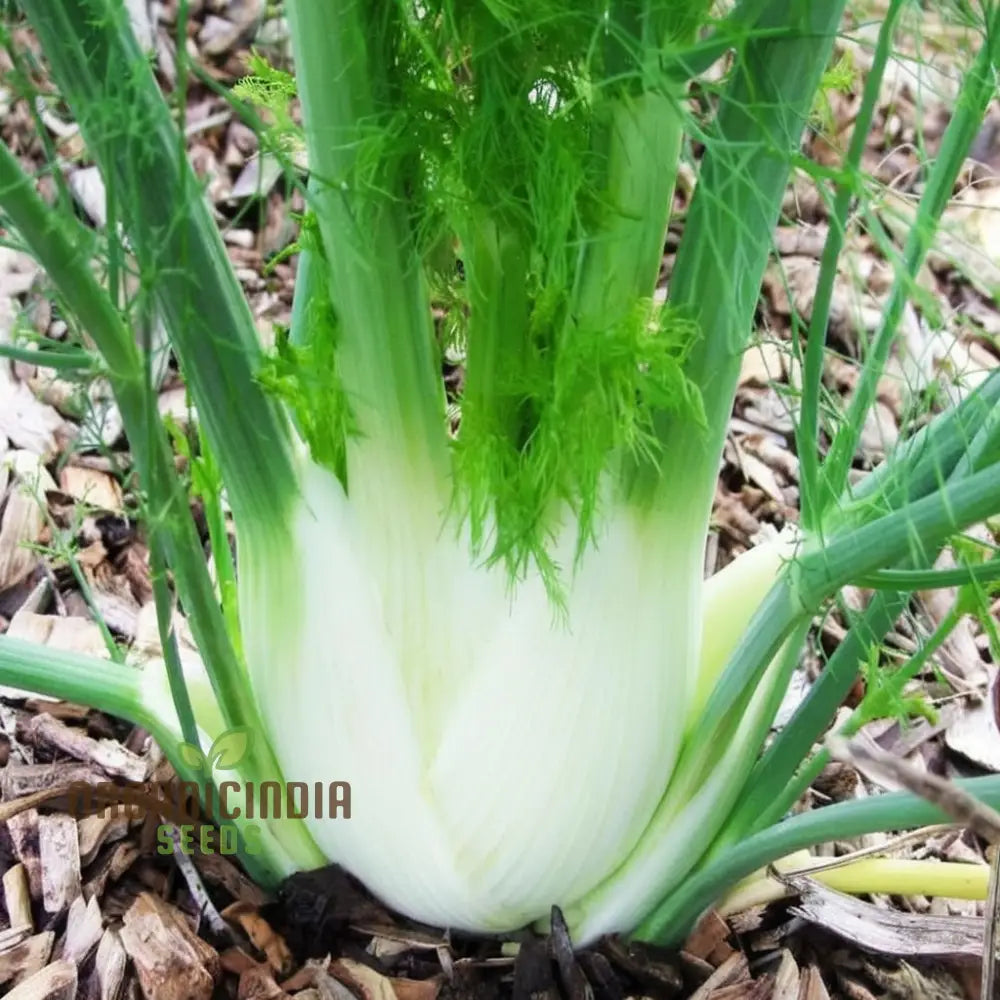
<point>501,760</point>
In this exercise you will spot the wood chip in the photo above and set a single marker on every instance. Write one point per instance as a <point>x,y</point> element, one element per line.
<point>262,936</point>
<point>84,929</point>
<point>23,516</point>
<point>735,971</point>
<point>172,962</point>
<point>811,985</point>
<point>889,932</point>
<point>109,755</point>
<point>786,978</point>
<point>707,937</point>
<point>17,896</point>
<point>109,966</point>
<point>94,488</point>
<point>257,983</point>
<point>220,870</point>
<point>24,959</point>
<point>57,981</point>
<point>975,732</point>
<point>25,786</point>
<point>23,830</point>
<point>103,828</point>
<point>31,425</point>
<point>59,849</point>
<point>70,634</point>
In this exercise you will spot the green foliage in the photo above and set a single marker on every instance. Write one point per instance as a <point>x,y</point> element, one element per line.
<point>495,131</point>
<point>304,376</point>
<point>272,91</point>
<point>598,397</point>
<point>975,598</point>
<point>842,78</point>
<point>885,696</point>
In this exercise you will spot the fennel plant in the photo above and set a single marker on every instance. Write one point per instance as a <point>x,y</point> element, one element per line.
<point>499,634</point>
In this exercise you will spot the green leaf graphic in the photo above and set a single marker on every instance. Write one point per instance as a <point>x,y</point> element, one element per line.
<point>230,748</point>
<point>192,756</point>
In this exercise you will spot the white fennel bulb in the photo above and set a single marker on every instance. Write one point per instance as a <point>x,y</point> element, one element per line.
<point>501,759</point>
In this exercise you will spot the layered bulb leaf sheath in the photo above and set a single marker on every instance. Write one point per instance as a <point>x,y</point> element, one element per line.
<point>501,758</point>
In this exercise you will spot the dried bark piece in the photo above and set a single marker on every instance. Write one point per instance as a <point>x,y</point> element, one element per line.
<point>109,755</point>
<point>416,989</point>
<point>257,983</point>
<point>786,978</point>
<point>236,960</point>
<point>59,848</point>
<point>889,932</point>
<point>172,962</point>
<point>220,870</point>
<point>23,830</point>
<point>84,927</point>
<point>811,985</point>
<point>92,487</point>
<point>23,518</point>
<point>975,732</point>
<point>55,982</point>
<point>22,960</point>
<point>109,966</point>
<point>646,967</point>
<point>118,860</point>
<point>760,989</point>
<point>708,937</point>
<point>533,974</point>
<point>71,634</point>
<point>574,982</point>
<point>262,936</point>
<point>13,935</point>
<point>40,781</point>
<point>105,827</point>
<point>17,897</point>
<point>29,423</point>
<point>323,985</point>
<point>735,971</point>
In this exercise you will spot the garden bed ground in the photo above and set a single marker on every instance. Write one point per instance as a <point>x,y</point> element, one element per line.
<point>90,906</point>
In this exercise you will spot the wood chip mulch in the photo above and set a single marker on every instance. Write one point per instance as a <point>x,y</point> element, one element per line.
<point>92,908</point>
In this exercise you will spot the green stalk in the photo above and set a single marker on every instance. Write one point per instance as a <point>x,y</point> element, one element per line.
<point>386,353</point>
<point>103,684</point>
<point>978,89</point>
<point>773,804</point>
<point>56,243</point>
<point>916,532</point>
<point>791,745</point>
<point>807,432</point>
<point>639,145</point>
<point>496,265</point>
<point>880,814</point>
<point>931,579</point>
<point>808,581</point>
<point>921,464</point>
<point>724,251</point>
<point>182,261</point>
<point>59,359</point>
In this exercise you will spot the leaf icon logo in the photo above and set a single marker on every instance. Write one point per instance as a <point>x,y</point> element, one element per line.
<point>230,749</point>
<point>192,756</point>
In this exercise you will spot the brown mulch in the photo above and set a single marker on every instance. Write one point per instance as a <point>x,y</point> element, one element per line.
<point>91,908</point>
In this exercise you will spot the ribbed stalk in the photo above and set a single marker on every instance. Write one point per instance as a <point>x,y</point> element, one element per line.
<point>843,821</point>
<point>182,261</point>
<point>386,354</point>
<point>728,232</point>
